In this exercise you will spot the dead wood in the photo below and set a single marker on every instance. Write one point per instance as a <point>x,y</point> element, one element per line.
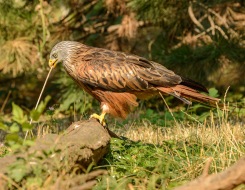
<point>83,143</point>
<point>225,180</point>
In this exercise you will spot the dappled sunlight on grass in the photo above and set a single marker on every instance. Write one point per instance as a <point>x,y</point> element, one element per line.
<point>206,133</point>
<point>169,156</point>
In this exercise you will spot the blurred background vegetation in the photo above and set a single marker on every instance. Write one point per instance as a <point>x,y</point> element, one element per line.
<point>203,40</point>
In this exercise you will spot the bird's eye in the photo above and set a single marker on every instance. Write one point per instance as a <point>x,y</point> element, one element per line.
<point>55,55</point>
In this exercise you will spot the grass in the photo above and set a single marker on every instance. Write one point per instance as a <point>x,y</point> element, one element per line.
<point>157,152</point>
<point>165,157</point>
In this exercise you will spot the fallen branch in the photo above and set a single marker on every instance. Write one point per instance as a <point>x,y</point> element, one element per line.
<point>225,180</point>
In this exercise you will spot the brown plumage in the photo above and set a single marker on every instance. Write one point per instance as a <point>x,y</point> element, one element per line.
<point>117,79</point>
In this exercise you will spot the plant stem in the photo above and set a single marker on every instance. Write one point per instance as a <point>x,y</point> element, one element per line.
<point>44,30</point>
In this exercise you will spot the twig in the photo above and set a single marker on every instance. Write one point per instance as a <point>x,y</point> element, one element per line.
<point>130,186</point>
<point>85,101</point>
<point>193,18</point>
<point>225,96</point>
<point>212,24</point>
<point>193,39</point>
<point>220,18</point>
<point>222,32</point>
<point>44,30</point>
<point>74,113</point>
<point>92,175</point>
<point>78,14</point>
<point>149,47</point>
<point>206,168</point>
<point>40,97</point>
<point>5,101</point>
<point>85,186</point>
<point>168,108</point>
<point>107,181</point>
<point>191,117</point>
<point>203,17</point>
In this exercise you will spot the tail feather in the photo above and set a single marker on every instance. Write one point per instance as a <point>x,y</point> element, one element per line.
<point>184,92</point>
<point>173,93</point>
<point>194,85</point>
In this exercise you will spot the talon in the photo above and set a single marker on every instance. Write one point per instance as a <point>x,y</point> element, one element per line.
<point>105,125</point>
<point>100,118</point>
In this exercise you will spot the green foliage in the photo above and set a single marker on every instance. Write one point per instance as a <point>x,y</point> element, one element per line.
<point>17,170</point>
<point>72,94</point>
<point>14,128</point>
<point>51,112</point>
<point>213,92</point>
<point>35,114</point>
<point>20,171</point>
<point>163,119</point>
<point>18,114</point>
<point>20,119</point>
<point>3,126</point>
<point>26,126</point>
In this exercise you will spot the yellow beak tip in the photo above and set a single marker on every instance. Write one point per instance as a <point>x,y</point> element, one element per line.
<point>53,63</point>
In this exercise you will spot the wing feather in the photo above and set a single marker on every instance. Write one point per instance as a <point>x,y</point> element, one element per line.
<point>120,72</point>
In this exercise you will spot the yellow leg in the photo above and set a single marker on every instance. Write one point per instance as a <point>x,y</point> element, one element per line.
<point>101,118</point>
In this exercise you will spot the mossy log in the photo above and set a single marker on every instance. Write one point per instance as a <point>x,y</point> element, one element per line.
<point>83,143</point>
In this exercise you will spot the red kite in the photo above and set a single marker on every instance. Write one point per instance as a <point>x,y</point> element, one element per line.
<point>117,79</point>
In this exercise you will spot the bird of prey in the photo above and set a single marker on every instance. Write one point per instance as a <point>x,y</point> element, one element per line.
<point>116,79</point>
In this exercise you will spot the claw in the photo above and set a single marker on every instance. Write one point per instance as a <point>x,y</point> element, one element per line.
<point>105,124</point>
<point>100,118</point>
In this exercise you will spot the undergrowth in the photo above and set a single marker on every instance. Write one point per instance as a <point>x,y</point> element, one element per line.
<point>158,150</point>
<point>178,157</point>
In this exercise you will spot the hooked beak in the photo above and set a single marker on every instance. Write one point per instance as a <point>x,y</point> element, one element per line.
<point>53,63</point>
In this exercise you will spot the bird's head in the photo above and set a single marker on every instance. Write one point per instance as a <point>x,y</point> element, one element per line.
<point>61,52</point>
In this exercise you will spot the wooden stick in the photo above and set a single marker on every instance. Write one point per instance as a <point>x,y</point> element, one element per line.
<point>5,101</point>
<point>169,108</point>
<point>225,180</point>
<point>40,97</point>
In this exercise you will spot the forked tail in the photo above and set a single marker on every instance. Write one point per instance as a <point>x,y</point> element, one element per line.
<point>188,94</point>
